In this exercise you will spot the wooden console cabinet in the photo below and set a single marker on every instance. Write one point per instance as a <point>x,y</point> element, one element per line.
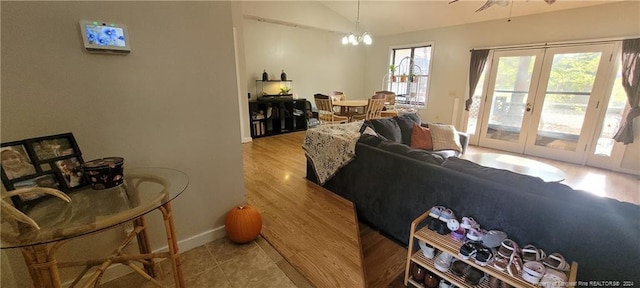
<point>275,115</point>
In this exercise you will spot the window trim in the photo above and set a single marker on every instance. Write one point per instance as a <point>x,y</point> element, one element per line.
<point>391,54</point>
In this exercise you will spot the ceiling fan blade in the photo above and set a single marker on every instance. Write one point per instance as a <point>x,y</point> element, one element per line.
<point>550,1</point>
<point>486,5</point>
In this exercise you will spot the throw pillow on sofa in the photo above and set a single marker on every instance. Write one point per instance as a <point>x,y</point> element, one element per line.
<point>445,137</point>
<point>421,138</point>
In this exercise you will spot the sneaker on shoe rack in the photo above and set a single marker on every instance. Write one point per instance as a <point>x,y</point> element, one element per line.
<point>443,261</point>
<point>434,215</point>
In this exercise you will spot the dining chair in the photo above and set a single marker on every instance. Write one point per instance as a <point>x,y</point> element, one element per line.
<point>390,105</point>
<point>326,112</point>
<point>390,96</point>
<point>337,96</point>
<point>374,108</point>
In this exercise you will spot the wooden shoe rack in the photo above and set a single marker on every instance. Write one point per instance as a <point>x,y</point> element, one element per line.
<point>447,244</point>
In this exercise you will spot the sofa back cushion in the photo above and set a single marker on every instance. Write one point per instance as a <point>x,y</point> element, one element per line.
<point>387,128</point>
<point>397,129</point>
<point>406,122</point>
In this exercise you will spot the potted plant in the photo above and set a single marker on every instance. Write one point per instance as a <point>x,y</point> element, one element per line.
<point>284,90</point>
<point>392,69</point>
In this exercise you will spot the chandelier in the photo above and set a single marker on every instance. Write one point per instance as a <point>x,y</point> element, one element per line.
<point>355,39</point>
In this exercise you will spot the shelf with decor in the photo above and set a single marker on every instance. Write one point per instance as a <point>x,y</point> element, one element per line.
<point>447,244</point>
<point>274,88</point>
<point>276,115</point>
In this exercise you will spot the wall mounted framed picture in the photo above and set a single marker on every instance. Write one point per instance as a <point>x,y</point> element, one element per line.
<point>52,161</point>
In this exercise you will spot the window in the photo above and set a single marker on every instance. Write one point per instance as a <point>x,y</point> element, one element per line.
<point>410,80</point>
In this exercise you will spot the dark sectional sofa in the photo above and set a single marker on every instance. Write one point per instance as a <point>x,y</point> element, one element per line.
<point>392,184</point>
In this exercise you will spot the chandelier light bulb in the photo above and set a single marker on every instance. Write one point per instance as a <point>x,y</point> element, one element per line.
<point>366,38</point>
<point>352,39</point>
<point>345,40</point>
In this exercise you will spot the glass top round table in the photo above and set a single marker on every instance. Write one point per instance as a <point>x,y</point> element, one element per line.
<point>89,211</point>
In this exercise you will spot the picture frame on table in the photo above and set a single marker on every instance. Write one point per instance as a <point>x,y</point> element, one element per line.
<point>15,160</point>
<point>71,172</point>
<point>52,161</point>
<point>53,147</point>
<point>48,180</point>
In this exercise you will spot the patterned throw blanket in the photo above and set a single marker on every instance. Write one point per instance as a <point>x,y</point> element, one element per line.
<point>331,147</point>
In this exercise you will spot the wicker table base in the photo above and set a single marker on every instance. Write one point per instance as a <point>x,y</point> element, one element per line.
<point>43,266</point>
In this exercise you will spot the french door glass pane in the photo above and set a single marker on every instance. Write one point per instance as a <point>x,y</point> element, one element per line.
<point>474,110</point>
<point>510,95</point>
<point>613,117</point>
<point>566,98</point>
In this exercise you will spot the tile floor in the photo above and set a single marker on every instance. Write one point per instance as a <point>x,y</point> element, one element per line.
<point>222,263</point>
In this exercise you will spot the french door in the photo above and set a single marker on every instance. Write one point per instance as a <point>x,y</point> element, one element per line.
<point>545,102</point>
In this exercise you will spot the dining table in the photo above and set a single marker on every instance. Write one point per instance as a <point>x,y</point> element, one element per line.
<point>349,107</point>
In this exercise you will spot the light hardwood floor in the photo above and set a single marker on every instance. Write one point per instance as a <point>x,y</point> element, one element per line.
<point>317,231</point>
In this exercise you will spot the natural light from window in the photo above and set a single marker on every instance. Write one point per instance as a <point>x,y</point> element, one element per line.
<point>409,75</point>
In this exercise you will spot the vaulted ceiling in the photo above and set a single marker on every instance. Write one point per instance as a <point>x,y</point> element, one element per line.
<point>399,16</point>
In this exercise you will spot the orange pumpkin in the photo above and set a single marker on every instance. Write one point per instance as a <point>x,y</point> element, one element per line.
<point>243,224</point>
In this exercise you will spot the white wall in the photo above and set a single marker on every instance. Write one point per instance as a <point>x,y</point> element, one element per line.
<point>173,102</point>
<point>314,60</point>
<point>452,44</point>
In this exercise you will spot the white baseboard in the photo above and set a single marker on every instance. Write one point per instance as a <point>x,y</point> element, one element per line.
<point>117,271</point>
<point>627,171</point>
<point>246,139</point>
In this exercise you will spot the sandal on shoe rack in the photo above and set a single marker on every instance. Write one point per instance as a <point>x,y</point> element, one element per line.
<point>469,223</point>
<point>500,263</point>
<point>557,262</point>
<point>515,265</point>
<point>532,272</point>
<point>475,234</point>
<point>507,248</point>
<point>531,253</point>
